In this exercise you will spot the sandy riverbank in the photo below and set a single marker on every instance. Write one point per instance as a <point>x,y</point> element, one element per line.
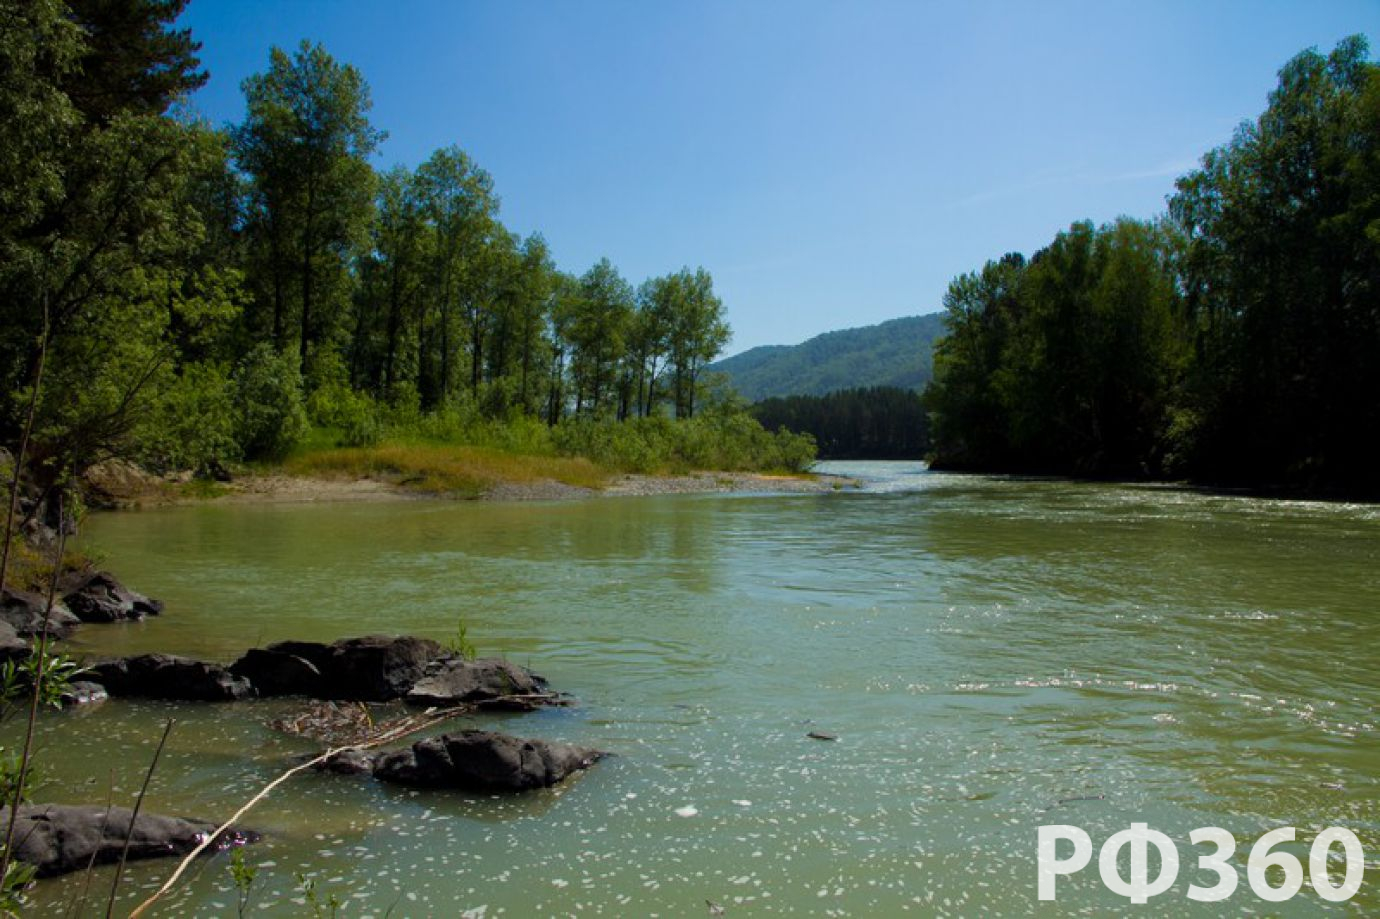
<point>280,488</point>
<point>131,489</point>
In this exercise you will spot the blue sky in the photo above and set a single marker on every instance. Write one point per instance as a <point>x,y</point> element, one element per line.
<point>833,164</point>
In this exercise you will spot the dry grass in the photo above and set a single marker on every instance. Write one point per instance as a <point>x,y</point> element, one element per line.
<point>436,469</point>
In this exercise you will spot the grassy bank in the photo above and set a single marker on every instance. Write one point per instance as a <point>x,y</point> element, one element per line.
<point>468,456</point>
<point>462,470</point>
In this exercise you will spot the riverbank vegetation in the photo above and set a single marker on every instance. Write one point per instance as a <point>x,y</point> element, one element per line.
<point>875,422</point>
<point>1234,340</point>
<point>190,296</point>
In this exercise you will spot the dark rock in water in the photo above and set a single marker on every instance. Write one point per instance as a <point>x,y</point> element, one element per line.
<point>167,676</point>
<point>23,611</point>
<point>347,762</point>
<point>98,597</point>
<point>314,652</point>
<point>60,838</point>
<point>452,680</point>
<point>83,692</point>
<point>377,668</point>
<point>12,647</point>
<point>278,673</point>
<point>483,761</point>
<point>374,668</point>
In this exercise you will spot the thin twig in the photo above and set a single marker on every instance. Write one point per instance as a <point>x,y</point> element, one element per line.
<point>79,897</point>
<point>134,817</point>
<point>395,733</point>
<point>40,671</point>
<point>19,459</point>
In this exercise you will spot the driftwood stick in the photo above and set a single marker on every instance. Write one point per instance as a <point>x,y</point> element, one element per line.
<point>212,837</point>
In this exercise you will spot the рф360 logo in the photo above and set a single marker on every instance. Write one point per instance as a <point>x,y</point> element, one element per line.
<point>1139,887</point>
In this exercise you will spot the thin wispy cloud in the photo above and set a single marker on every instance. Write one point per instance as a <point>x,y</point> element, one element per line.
<point>1166,169</point>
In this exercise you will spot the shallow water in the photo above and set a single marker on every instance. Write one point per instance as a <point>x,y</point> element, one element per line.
<point>984,648</point>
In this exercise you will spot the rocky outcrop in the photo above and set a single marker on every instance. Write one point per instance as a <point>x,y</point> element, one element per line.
<point>60,838</point>
<point>377,668</point>
<point>374,668</point>
<point>23,611</point>
<point>96,596</point>
<point>275,672</point>
<point>454,680</point>
<point>168,676</point>
<point>12,647</point>
<point>483,761</point>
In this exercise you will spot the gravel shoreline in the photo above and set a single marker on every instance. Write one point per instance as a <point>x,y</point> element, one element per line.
<point>289,489</point>
<point>149,491</point>
<point>694,483</point>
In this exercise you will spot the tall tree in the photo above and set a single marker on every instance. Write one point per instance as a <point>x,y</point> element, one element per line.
<point>1282,273</point>
<point>104,266</point>
<point>459,202</point>
<point>598,330</point>
<point>132,61</point>
<point>698,334</point>
<point>659,300</point>
<point>305,145</point>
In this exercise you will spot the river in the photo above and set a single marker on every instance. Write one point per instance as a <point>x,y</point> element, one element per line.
<point>993,654</point>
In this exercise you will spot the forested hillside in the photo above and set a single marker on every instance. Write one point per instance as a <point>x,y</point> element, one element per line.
<point>1234,340</point>
<point>878,422</point>
<point>893,353</point>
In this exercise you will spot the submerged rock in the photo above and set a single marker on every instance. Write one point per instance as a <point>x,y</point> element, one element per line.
<point>168,676</point>
<point>347,762</point>
<point>23,611</point>
<point>483,761</point>
<point>98,597</point>
<point>453,680</point>
<point>83,692</point>
<point>60,838</point>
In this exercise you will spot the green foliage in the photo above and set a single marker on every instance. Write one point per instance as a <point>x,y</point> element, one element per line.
<point>1281,269</point>
<point>895,353</point>
<point>459,644</point>
<point>880,422</point>
<point>18,877</point>
<point>334,404</point>
<point>270,417</point>
<point>1064,363</point>
<point>311,897</point>
<point>17,681</point>
<point>727,441</point>
<point>191,423</point>
<point>304,145</point>
<point>243,875</point>
<point>207,292</point>
<point>1226,343</point>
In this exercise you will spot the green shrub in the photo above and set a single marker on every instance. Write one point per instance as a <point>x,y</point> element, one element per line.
<point>191,423</point>
<point>270,417</point>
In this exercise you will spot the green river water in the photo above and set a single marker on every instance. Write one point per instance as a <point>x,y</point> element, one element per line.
<point>985,649</point>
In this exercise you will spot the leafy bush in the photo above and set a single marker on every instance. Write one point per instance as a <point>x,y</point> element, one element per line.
<point>191,423</point>
<point>270,417</point>
<point>731,441</point>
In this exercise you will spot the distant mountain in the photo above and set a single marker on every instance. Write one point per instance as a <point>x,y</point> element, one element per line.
<point>894,353</point>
